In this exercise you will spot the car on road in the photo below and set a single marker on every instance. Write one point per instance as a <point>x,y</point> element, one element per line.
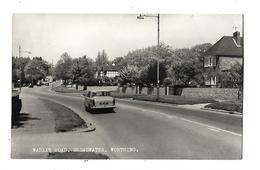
<point>99,99</point>
<point>46,83</point>
<point>30,85</point>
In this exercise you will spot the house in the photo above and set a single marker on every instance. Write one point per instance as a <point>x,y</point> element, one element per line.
<point>221,57</point>
<point>110,71</point>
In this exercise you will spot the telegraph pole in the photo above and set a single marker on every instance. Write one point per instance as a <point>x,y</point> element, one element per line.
<point>158,48</point>
<point>20,81</point>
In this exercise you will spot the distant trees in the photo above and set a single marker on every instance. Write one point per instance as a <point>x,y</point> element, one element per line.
<point>18,65</point>
<point>36,69</point>
<point>102,59</point>
<point>80,71</point>
<point>177,67</point>
<point>180,66</point>
<point>119,61</point>
<point>29,70</point>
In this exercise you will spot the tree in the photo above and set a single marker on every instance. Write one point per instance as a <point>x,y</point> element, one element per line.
<point>63,68</point>
<point>152,73</point>
<point>18,65</point>
<point>102,59</point>
<point>186,66</point>
<point>231,78</point>
<point>36,69</point>
<point>120,61</point>
<point>236,72</point>
<point>185,74</point>
<point>129,74</point>
<point>83,71</point>
<point>189,60</point>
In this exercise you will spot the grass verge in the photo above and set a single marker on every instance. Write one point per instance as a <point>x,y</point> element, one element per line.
<point>76,155</point>
<point>63,89</point>
<point>231,106</point>
<point>65,119</point>
<point>175,99</point>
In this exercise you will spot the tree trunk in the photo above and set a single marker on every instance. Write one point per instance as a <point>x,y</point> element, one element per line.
<point>77,86</point>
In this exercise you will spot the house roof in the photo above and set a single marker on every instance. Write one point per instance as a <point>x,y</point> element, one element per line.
<point>112,68</point>
<point>226,46</point>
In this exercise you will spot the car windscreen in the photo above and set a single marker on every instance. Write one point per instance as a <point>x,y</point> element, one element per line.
<point>101,93</point>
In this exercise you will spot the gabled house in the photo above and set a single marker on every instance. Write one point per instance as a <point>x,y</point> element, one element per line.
<point>222,56</point>
<point>110,71</point>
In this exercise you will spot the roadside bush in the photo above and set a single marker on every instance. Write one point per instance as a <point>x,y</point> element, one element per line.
<point>175,99</point>
<point>236,106</point>
<point>167,81</point>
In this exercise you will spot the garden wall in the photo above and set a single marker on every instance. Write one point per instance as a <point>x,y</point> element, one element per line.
<point>216,93</point>
<point>144,90</point>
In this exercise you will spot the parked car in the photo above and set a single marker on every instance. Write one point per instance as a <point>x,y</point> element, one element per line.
<point>30,85</point>
<point>16,104</point>
<point>46,83</point>
<point>38,83</point>
<point>99,99</point>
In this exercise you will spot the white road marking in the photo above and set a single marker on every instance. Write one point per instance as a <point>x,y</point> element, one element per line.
<point>212,128</point>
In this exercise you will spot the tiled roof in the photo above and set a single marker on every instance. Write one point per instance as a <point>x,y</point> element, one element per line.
<point>226,47</point>
<point>112,68</point>
<point>109,68</point>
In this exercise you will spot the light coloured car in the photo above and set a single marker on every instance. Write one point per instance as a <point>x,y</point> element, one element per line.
<point>99,99</point>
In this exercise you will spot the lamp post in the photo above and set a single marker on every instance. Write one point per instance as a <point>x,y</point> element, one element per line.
<point>158,46</point>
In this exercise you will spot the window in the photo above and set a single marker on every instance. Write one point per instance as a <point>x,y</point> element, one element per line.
<point>112,73</point>
<point>209,61</point>
<point>212,81</point>
<point>101,93</point>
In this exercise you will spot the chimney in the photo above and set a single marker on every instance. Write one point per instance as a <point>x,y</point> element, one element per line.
<point>237,39</point>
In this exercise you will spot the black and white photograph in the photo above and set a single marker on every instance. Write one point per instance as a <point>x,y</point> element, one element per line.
<point>127,86</point>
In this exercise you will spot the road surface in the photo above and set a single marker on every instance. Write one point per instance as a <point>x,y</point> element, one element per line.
<point>154,130</point>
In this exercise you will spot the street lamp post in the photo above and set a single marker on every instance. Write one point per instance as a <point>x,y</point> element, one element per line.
<point>158,46</point>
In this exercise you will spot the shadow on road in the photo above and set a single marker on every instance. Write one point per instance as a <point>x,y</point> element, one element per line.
<point>19,121</point>
<point>101,111</point>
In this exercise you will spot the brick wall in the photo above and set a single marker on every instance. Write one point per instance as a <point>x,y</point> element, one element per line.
<point>217,93</point>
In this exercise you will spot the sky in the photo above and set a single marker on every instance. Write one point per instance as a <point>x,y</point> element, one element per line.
<point>50,35</point>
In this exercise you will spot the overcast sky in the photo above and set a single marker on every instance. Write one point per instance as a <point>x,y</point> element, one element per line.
<point>50,35</point>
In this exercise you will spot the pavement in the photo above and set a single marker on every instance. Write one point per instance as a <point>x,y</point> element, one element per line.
<point>142,130</point>
<point>34,136</point>
<point>35,121</point>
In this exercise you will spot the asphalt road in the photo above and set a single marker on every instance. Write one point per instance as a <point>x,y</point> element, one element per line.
<point>157,131</point>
